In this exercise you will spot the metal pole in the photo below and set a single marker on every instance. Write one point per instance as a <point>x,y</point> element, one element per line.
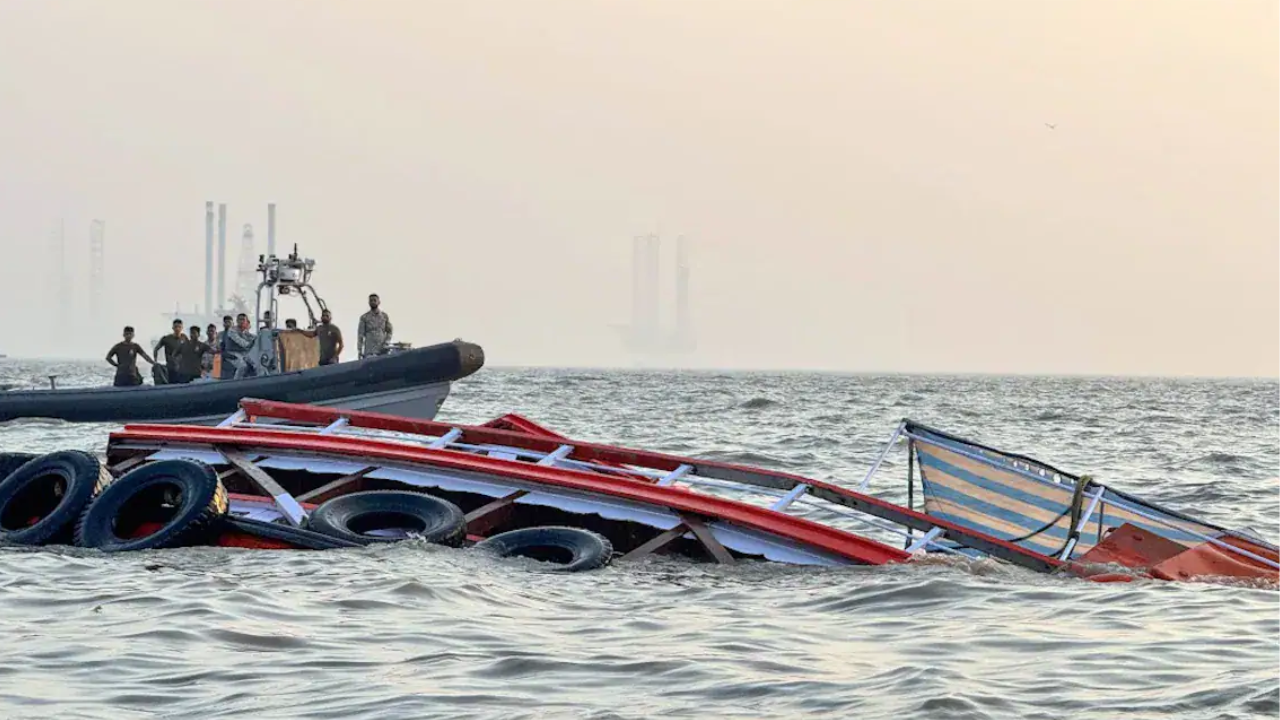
<point>911,480</point>
<point>208,256</point>
<point>684,326</point>
<point>271,229</point>
<point>222,257</point>
<point>862,486</point>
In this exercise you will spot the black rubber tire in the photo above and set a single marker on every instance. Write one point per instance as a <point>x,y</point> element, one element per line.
<point>202,505</point>
<point>350,516</point>
<point>301,537</point>
<point>54,488</point>
<point>12,461</point>
<point>572,549</point>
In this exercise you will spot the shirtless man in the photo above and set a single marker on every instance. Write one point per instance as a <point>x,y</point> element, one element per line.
<point>123,356</point>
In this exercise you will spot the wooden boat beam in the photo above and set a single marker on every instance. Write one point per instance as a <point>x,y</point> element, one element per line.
<point>289,506</point>
<point>688,524</point>
<point>483,519</point>
<point>707,539</point>
<point>656,543</point>
<point>128,464</point>
<point>329,489</point>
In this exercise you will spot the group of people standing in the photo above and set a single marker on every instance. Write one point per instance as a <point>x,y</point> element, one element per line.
<point>188,357</point>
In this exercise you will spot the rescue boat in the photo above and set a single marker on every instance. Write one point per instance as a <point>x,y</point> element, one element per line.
<point>284,475</point>
<point>284,364</point>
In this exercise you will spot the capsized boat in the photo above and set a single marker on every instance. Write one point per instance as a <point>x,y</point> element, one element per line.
<point>407,381</point>
<point>1086,526</point>
<point>305,475</point>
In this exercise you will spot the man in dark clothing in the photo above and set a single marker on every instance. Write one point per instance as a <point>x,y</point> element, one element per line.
<point>123,356</point>
<point>192,356</point>
<point>172,346</point>
<point>330,339</point>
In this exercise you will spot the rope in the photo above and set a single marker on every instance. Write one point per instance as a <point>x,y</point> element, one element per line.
<point>1077,501</point>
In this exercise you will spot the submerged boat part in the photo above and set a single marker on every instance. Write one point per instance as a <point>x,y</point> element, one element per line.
<point>312,476</point>
<point>1071,518</point>
<point>643,502</point>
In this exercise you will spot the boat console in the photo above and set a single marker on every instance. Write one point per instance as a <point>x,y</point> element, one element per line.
<point>274,350</point>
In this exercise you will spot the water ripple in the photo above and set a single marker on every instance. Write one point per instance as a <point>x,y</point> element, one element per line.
<point>426,632</point>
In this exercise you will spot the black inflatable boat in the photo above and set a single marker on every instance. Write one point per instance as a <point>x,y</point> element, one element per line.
<point>410,383</point>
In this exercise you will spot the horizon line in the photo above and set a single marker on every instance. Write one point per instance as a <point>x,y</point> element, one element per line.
<point>809,371</point>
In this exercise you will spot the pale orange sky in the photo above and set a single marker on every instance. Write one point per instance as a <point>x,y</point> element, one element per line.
<point>869,185</point>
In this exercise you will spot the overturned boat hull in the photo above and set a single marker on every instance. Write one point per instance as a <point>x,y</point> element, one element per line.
<point>410,383</point>
<point>514,473</point>
<point>286,467</point>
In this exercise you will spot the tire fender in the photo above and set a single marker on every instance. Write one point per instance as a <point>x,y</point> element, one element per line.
<point>352,517</point>
<point>571,549</point>
<point>51,490</point>
<point>139,497</point>
<point>11,461</point>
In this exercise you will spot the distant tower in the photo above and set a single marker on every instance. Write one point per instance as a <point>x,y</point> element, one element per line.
<point>97,274</point>
<point>646,335</point>
<point>221,300</point>
<point>652,320</point>
<point>247,273</point>
<point>684,321</point>
<point>271,229</point>
<point>642,333</point>
<point>208,256</point>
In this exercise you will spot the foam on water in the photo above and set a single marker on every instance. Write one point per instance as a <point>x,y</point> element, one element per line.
<point>426,632</point>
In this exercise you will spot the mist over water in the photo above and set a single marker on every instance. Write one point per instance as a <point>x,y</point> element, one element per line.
<point>428,632</point>
<point>919,186</point>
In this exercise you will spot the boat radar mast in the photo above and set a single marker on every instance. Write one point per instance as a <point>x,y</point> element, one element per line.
<point>289,275</point>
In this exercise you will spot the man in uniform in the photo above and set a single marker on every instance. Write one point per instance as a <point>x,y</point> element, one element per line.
<point>330,338</point>
<point>123,356</point>
<point>374,333</point>
<point>238,341</point>
<point>172,346</point>
<point>227,362</point>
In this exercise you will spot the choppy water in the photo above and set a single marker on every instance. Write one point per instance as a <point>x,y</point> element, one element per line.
<point>424,632</point>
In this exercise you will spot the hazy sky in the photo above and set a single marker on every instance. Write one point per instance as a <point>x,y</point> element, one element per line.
<point>868,185</point>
